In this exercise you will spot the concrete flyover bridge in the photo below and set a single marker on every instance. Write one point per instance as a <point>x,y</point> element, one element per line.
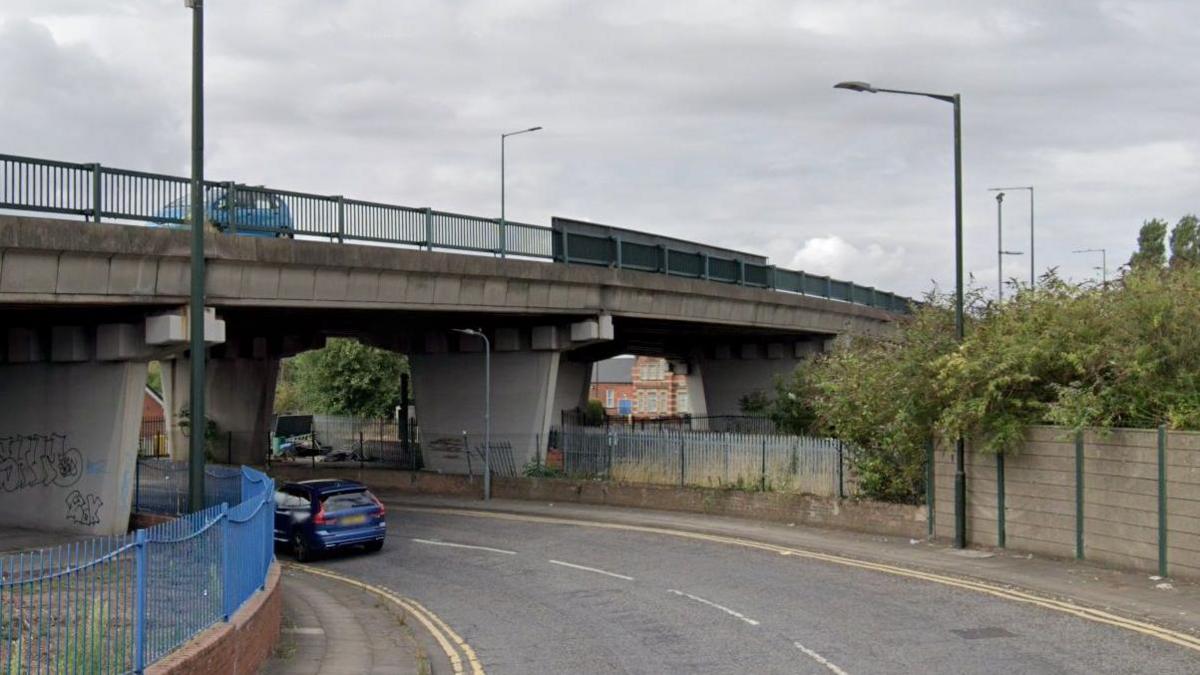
<point>85,305</point>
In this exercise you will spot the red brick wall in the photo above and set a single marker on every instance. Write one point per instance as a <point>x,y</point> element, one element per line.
<point>620,390</point>
<point>239,647</point>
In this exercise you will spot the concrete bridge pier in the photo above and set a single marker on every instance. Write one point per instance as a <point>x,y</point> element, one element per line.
<point>240,398</point>
<point>533,381</point>
<point>721,376</point>
<point>70,409</point>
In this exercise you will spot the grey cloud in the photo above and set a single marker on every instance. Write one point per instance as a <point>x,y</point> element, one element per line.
<point>702,119</point>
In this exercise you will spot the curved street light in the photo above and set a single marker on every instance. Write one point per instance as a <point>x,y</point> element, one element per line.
<point>960,475</point>
<point>503,243</point>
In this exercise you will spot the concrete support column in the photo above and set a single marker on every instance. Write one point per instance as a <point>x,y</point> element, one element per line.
<point>727,374</point>
<point>449,394</point>
<point>241,401</point>
<point>68,444</point>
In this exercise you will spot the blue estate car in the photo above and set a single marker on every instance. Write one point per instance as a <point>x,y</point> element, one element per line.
<point>254,213</point>
<point>314,516</point>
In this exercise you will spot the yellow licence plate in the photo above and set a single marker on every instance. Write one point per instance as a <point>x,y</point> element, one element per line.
<point>354,520</point>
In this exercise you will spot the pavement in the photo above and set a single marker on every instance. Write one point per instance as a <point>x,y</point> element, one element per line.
<point>13,539</point>
<point>333,628</point>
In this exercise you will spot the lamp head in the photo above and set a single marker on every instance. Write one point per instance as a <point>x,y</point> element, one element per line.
<point>855,86</point>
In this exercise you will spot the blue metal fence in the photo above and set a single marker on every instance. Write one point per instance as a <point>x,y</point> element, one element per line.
<point>118,604</point>
<point>97,192</point>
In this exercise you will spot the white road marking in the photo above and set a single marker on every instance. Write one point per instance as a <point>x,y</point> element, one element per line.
<point>590,569</point>
<point>453,545</point>
<point>302,630</point>
<point>821,660</point>
<point>710,603</point>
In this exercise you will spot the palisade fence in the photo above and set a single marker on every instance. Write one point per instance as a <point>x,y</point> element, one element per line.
<point>161,485</point>
<point>710,459</point>
<point>118,604</point>
<point>98,192</point>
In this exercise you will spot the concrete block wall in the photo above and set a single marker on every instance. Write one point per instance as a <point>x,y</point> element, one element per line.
<point>1120,497</point>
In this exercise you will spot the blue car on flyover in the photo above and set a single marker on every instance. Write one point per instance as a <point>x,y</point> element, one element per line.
<point>316,516</point>
<point>253,213</point>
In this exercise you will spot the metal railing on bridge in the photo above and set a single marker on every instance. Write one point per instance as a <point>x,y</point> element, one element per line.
<point>97,192</point>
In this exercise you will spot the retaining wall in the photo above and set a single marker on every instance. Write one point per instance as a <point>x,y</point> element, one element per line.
<point>862,516</point>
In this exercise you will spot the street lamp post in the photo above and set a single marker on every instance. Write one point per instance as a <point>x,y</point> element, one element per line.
<point>1103,262</point>
<point>1032,277</point>
<point>487,409</point>
<point>960,475</point>
<point>1000,252</point>
<point>503,243</point>
<point>197,425</point>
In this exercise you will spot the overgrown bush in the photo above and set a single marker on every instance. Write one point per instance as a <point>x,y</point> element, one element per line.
<point>1122,354</point>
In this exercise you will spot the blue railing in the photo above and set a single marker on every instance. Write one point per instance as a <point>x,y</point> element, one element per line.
<point>119,604</point>
<point>98,192</point>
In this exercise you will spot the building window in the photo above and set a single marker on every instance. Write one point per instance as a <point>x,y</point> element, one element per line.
<point>650,402</point>
<point>663,403</point>
<point>681,403</point>
<point>610,397</point>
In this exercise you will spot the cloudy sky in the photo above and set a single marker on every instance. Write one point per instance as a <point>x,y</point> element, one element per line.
<point>703,119</point>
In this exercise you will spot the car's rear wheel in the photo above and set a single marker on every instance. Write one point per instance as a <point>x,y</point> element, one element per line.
<point>300,549</point>
<point>375,546</point>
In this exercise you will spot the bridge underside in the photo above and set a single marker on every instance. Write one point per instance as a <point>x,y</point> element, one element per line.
<point>80,305</point>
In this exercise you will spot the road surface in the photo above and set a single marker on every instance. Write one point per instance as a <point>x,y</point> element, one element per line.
<point>532,597</point>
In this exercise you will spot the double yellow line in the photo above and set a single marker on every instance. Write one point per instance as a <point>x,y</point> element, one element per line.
<point>460,654</point>
<point>1175,637</point>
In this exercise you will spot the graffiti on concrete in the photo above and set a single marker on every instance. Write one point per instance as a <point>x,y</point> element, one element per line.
<point>38,461</point>
<point>83,509</point>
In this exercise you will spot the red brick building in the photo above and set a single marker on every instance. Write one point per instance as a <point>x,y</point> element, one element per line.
<point>640,386</point>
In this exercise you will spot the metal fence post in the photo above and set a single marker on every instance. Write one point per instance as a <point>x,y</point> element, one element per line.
<point>428,229</point>
<point>930,472</point>
<point>503,241</point>
<point>231,206</point>
<point>741,273</point>
<point>97,199</point>
<point>1162,500</point>
<point>361,450</point>
<point>664,263</point>
<point>620,257</point>
<point>341,204</point>
<point>226,588</point>
<point>565,248</point>
<point>763,478</point>
<point>1000,535</point>
<point>1079,495</point>
<point>682,465</point>
<point>139,621</point>
<point>841,476</point>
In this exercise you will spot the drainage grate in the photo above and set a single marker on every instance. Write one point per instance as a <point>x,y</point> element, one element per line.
<point>984,633</point>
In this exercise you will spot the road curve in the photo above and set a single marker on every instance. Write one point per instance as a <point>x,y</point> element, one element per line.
<point>538,597</point>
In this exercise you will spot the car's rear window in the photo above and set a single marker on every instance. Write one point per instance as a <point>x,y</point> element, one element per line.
<point>347,500</point>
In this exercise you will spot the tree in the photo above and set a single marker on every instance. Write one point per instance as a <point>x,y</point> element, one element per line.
<point>1152,246</point>
<point>1185,242</point>
<point>344,378</point>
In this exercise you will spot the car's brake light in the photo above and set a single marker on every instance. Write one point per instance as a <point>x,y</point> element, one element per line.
<point>322,519</point>
<point>382,509</point>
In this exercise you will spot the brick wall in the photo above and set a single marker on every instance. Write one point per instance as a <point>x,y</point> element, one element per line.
<point>238,647</point>
<point>1120,497</point>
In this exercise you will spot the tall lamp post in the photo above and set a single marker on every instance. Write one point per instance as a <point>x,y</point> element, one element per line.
<point>1103,262</point>
<point>487,409</point>
<point>1032,277</point>
<point>1000,252</point>
<point>503,243</point>
<point>197,423</point>
<point>960,475</point>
